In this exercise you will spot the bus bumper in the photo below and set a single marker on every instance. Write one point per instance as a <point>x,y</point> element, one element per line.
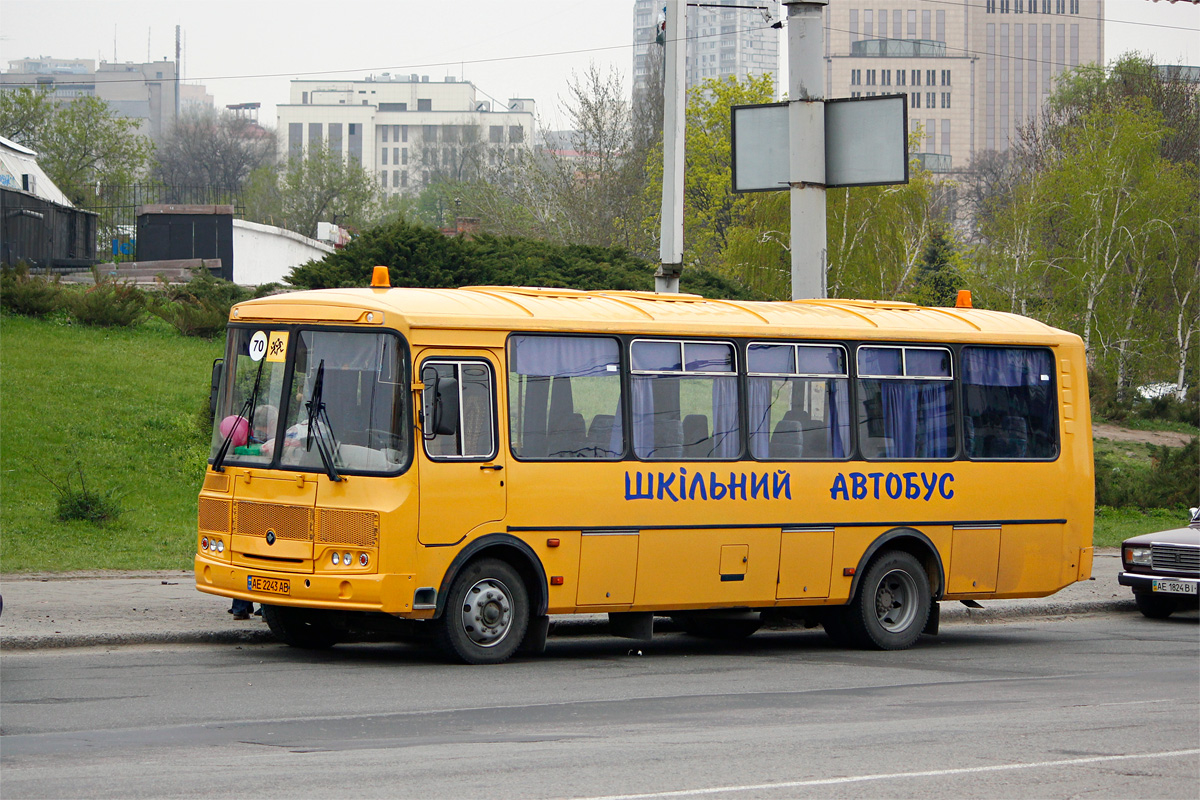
<point>390,594</point>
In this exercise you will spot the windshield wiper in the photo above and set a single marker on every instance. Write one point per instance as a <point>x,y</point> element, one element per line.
<point>318,417</point>
<point>247,409</point>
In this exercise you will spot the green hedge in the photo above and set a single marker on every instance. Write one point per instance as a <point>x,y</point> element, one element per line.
<point>421,256</point>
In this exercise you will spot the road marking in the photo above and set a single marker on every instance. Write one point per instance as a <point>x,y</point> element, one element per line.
<point>933,773</point>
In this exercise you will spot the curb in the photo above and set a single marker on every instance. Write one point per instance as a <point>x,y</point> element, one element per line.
<point>598,626</point>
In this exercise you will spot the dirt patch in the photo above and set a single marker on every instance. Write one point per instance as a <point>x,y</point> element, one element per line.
<point>1117,434</point>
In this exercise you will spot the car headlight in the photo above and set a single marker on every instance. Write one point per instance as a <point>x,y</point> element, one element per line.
<point>1139,556</point>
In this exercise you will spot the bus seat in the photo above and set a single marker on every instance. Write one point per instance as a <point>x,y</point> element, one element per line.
<point>816,438</point>
<point>668,438</point>
<point>599,436</point>
<point>787,440</point>
<point>1014,437</point>
<point>696,442</point>
<point>567,436</point>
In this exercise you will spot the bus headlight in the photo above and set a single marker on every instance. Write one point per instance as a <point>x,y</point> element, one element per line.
<point>337,559</point>
<point>363,558</point>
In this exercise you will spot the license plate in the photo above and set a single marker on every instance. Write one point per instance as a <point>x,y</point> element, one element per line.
<point>1173,587</point>
<point>257,583</point>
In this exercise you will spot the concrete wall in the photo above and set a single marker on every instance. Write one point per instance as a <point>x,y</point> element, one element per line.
<point>266,254</point>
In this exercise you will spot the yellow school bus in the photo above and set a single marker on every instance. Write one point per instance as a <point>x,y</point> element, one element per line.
<point>468,462</point>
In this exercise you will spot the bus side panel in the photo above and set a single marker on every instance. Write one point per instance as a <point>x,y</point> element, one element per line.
<point>706,568</point>
<point>1031,560</point>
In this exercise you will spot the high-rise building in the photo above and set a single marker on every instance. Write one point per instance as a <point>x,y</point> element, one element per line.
<point>405,129</point>
<point>145,92</point>
<point>725,38</point>
<point>975,71</point>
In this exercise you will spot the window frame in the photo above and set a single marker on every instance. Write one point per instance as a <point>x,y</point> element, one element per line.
<point>955,409</point>
<point>494,430</point>
<point>630,374</point>
<point>1056,408</point>
<point>846,375</point>
<point>623,397</point>
<point>294,330</point>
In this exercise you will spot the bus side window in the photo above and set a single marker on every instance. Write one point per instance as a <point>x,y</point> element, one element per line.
<point>564,395</point>
<point>798,401</point>
<point>1010,408</point>
<point>906,402</point>
<point>474,435</point>
<point>685,400</point>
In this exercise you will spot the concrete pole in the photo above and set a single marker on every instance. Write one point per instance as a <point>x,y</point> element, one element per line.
<point>666,278</point>
<point>806,93</point>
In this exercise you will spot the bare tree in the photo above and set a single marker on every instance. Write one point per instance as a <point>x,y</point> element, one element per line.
<point>214,149</point>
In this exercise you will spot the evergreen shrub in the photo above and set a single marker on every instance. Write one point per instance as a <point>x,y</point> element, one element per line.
<point>30,295</point>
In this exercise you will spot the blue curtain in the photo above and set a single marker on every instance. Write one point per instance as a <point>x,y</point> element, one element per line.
<point>1006,366</point>
<point>917,419</point>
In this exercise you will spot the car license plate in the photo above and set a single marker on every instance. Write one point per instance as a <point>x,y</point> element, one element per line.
<point>257,583</point>
<point>1173,587</point>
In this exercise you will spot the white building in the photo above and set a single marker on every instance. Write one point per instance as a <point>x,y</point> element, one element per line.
<point>737,41</point>
<point>407,130</point>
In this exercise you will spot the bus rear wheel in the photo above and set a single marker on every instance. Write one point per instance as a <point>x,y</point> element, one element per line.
<point>892,605</point>
<point>301,627</point>
<point>486,615</point>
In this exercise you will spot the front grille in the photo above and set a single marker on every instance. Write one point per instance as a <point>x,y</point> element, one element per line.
<point>1173,558</point>
<point>288,522</point>
<point>355,528</point>
<point>214,515</point>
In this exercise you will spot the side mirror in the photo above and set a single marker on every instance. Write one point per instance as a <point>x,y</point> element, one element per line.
<point>215,385</point>
<point>439,403</point>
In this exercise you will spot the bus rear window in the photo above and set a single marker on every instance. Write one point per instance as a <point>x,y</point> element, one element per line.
<point>1009,406</point>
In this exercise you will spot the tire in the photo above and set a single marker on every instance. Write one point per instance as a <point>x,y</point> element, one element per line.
<point>892,604</point>
<point>486,614</point>
<point>727,629</point>
<point>1155,606</point>
<point>301,627</point>
<point>834,623</point>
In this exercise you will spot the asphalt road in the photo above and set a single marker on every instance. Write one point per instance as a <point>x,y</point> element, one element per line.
<point>1101,706</point>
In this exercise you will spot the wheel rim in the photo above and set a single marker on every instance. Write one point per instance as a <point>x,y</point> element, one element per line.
<point>896,601</point>
<point>487,612</point>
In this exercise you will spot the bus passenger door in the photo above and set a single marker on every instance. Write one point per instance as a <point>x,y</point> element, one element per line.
<point>461,473</point>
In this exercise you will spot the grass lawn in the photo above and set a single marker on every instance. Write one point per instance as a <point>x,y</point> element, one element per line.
<point>1114,525</point>
<point>124,404</point>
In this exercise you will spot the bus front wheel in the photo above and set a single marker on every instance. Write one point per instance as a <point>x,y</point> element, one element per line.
<point>487,613</point>
<point>300,627</point>
<point>892,605</point>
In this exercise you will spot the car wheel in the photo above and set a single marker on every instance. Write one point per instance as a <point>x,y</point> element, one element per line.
<point>486,615</point>
<point>1154,606</point>
<point>892,604</point>
<point>301,627</point>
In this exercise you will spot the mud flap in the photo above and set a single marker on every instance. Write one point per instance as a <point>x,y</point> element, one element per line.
<point>534,643</point>
<point>935,617</point>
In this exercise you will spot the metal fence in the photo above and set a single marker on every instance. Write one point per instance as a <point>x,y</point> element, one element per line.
<point>117,204</point>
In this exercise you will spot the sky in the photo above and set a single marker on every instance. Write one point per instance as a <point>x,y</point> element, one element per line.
<point>248,51</point>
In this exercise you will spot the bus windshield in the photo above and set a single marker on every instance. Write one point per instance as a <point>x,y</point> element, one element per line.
<point>289,394</point>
